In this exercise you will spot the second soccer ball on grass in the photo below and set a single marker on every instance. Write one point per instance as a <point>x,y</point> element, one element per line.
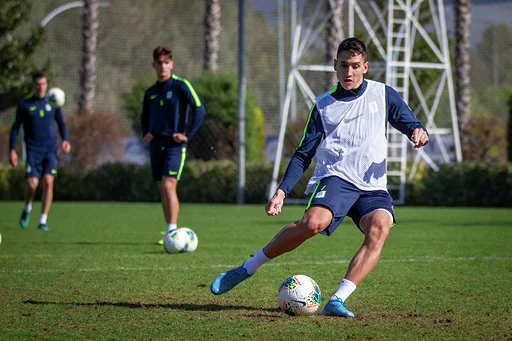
<point>180,240</point>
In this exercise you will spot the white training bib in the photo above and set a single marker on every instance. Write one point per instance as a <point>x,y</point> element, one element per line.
<point>355,143</point>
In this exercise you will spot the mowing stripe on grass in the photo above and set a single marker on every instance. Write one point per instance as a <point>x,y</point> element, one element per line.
<point>227,266</point>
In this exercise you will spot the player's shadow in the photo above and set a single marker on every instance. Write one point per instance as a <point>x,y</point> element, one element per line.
<point>173,306</point>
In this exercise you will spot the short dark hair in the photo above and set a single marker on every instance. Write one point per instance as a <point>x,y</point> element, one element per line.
<point>162,51</point>
<point>37,75</point>
<point>353,45</point>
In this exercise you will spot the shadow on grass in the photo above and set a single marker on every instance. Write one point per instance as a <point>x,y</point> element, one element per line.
<point>177,306</point>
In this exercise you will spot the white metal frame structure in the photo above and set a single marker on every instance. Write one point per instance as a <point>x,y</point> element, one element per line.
<point>393,32</point>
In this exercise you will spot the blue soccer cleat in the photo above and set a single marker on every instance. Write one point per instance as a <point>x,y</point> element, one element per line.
<point>227,280</point>
<point>24,219</point>
<point>43,227</point>
<point>336,307</point>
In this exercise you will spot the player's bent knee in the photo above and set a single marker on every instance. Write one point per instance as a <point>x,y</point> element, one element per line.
<point>32,185</point>
<point>315,220</point>
<point>378,233</point>
<point>311,228</point>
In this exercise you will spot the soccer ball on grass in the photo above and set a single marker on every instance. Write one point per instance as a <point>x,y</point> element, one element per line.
<point>192,239</point>
<point>56,97</point>
<point>180,240</point>
<point>299,295</point>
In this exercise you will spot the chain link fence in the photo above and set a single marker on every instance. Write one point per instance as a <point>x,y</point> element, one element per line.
<point>128,32</point>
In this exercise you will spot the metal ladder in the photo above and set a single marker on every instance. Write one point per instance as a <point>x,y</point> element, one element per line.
<point>398,67</point>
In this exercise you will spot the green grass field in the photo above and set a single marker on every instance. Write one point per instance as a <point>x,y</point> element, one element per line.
<point>445,274</point>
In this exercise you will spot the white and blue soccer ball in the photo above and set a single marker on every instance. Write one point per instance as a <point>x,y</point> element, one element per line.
<point>56,97</point>
<point>299,295</point>
<point>180,240</point>
<point>192,239</point>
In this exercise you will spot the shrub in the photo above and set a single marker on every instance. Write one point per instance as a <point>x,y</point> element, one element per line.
<point>216,182</point>
<point>132,102</point>
<point>96,138</point>
<point>4,182</point>
<point>466,184</point>
<point>217,137</point>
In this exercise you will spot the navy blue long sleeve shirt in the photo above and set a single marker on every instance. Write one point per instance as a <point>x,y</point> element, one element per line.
<point>167,107</point>
<point>38,119</point>
<point>399,115</point>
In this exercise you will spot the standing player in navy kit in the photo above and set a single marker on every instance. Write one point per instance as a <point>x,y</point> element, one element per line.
<point>38,119</point>
<point>167,107</point>
<point>346,135</point>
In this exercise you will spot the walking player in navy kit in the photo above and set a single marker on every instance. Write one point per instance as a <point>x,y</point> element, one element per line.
<point>168,105</point>
<point>346,135</point>
<point>38,119</point>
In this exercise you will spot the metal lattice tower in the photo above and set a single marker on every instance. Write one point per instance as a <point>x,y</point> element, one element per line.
<point>392,33</point>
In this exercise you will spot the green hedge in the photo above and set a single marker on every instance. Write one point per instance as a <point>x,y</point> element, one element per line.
<point>216,182</point>
<point>464,184</point>
<point>202,181</point>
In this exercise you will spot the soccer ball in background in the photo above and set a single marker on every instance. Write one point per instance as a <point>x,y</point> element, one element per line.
<point>192,237</point>
<point>299,295</point>
<point>180,240</point>
<point>56,97</point>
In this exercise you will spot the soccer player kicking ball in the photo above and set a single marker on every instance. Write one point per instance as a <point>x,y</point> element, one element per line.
<point>346,134</point>
<point>38,119</point>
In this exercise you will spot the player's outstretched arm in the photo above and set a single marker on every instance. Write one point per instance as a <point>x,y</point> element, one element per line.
<point>419,137</point>
<point>275,204</point>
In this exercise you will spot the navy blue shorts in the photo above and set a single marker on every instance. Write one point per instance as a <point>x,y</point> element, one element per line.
<point>344,199</point>
<point>40,162</point>
<point>167,161</point>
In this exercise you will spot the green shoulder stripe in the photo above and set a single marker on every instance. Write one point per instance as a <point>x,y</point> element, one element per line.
<point>190,88</point>
<point>333,89</point>
<point>307,123</point>
<point>330,92</point>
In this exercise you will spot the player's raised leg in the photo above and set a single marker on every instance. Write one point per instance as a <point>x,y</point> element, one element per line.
<point>290,237</point>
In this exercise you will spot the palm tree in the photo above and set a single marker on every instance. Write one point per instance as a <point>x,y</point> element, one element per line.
<point>462,10</point>
<point>88,67</point>
<point>333,36</point>
<point>211,34</point>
